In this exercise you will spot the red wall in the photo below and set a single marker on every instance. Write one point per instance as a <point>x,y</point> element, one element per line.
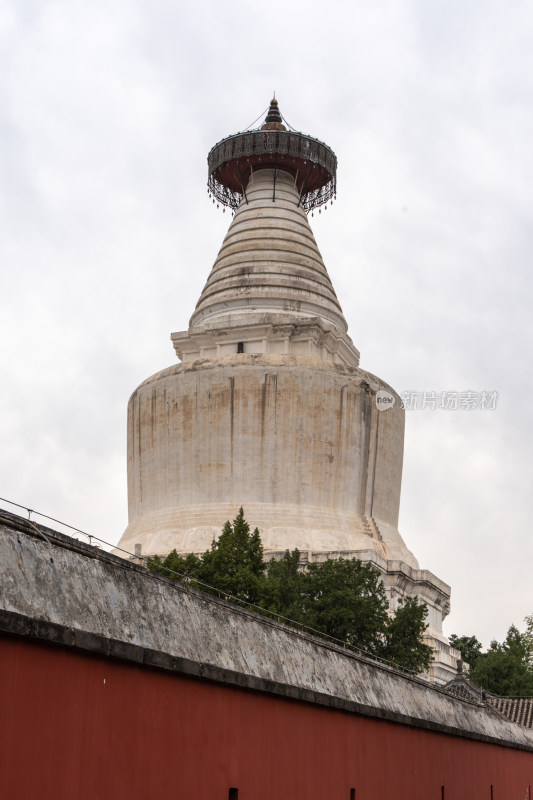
<point>74,726</point>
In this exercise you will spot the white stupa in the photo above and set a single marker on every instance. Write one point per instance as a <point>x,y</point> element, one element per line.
<point>269,408</point>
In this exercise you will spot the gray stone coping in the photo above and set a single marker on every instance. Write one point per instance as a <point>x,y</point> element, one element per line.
<point>58,590</point>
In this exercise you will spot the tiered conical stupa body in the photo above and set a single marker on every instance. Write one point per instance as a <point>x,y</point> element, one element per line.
<point>269,409</point>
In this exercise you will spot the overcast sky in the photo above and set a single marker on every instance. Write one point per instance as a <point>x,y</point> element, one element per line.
<point>107,113</point>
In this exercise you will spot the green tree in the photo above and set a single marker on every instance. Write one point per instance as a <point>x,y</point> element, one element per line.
<point>403,643</point>
<point>282,588</point>
<point>528,638</point>
<point>469,647</point>
<point>234,564</point>
<point>346,600</point>
<point>505,670</point>
<point>176,566</point>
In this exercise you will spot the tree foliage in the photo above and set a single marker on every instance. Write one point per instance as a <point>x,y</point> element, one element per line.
<point>506,668</point>
<point>403,636</point>
<point>344,599</point>
<point>282,587</point>
<point>469,647</point>
<point>233,566</point>
<point>528,637</point>
<point>175,565</point>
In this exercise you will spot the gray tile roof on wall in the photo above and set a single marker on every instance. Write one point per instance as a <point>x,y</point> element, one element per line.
<point>517,709</point>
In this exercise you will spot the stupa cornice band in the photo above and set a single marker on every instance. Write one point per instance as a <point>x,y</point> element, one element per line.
<point>311,337</point>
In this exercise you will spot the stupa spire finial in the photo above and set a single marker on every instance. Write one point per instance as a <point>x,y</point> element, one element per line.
<point>273,120</point>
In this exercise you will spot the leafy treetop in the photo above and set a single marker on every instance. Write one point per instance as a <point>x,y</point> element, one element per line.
<point>506,668</point>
